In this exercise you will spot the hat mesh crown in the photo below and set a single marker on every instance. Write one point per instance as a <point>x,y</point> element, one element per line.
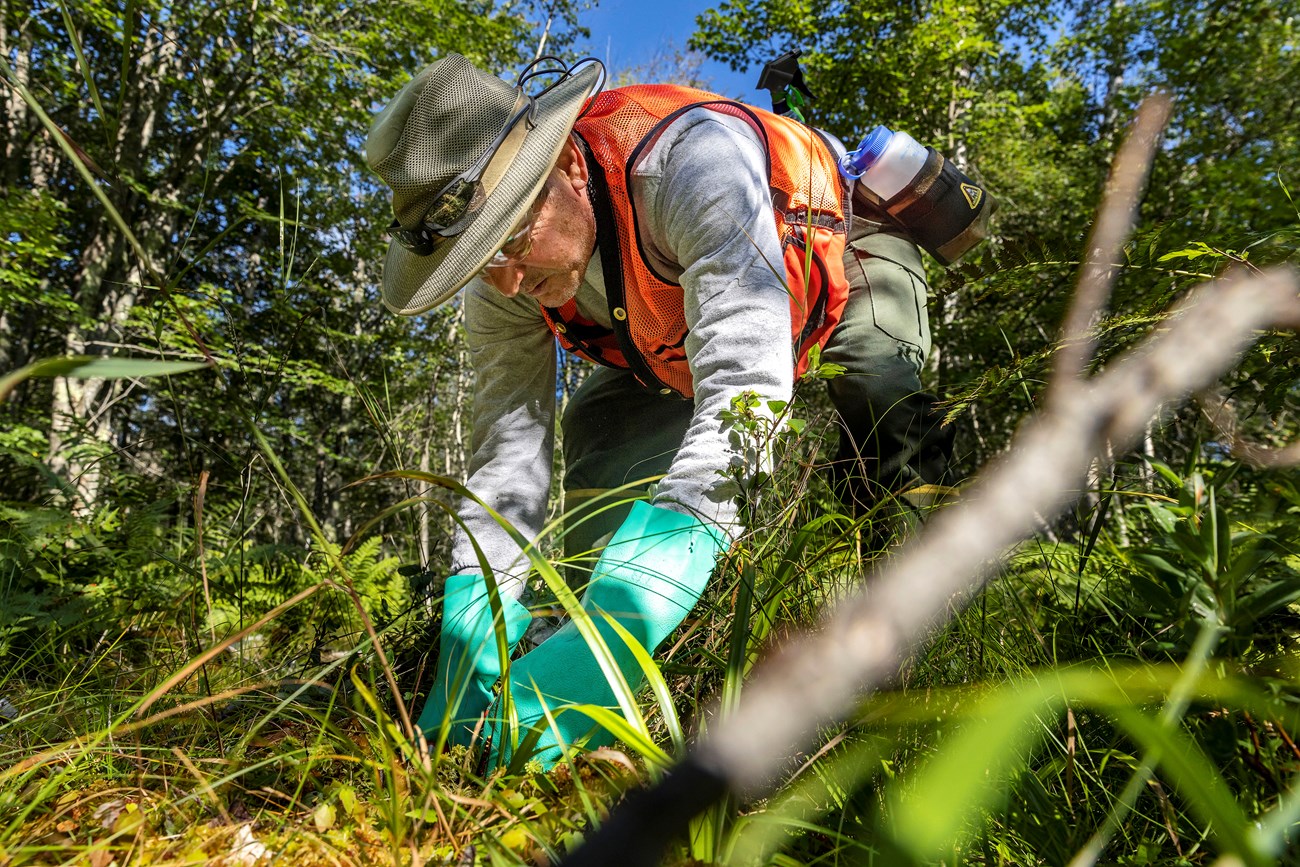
<point>457,115</point>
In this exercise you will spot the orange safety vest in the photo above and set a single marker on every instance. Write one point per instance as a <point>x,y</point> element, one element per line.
<point>646,309</point>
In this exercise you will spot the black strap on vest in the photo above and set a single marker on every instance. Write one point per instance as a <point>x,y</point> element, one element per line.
<point>611,264</point>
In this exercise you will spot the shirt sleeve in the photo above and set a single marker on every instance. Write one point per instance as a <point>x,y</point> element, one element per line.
<point>704,204</point>
<point>513,354</point>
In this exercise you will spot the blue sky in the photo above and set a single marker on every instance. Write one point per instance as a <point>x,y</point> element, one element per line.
<point>627,33</point>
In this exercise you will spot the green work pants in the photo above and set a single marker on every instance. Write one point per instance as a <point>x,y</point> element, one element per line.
<point>616,432</point>
<point>891,438</point>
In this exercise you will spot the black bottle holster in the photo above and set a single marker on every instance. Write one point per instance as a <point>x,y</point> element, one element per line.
<point>944,211</point>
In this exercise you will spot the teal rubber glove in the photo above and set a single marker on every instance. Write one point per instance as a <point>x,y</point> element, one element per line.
<point>648,578</point>
<point>469,664</point>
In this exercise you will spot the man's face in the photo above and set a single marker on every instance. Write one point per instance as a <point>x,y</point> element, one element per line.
<point>562,239</point>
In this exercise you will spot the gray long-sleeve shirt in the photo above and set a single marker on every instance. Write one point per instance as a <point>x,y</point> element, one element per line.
<point>703,208</point>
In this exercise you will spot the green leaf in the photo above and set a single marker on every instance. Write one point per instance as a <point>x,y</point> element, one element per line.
<point>94,367</point>
<point>1167,474</point>
<point>323,817</point>
<point>635,738</point>
<point>348,800</point>
<point>1182,254</point>
<point>831,371</point>
<point>1264,601</point>
<point>662,693</point>
<point>1162,516</point>
<point>87,74</point>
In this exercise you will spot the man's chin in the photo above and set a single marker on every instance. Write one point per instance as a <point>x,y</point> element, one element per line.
<point>549,295</point>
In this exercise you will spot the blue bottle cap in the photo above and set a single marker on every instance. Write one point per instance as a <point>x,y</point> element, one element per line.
<point>857,161</point>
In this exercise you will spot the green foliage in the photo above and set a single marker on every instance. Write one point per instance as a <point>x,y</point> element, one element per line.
<point>1032,100</point>
<point>228,147</point>
<point>30,244</point>
<point>1200,570</point>
<point>68,580</point>
<point>89,367</point>
<point>246,584</point>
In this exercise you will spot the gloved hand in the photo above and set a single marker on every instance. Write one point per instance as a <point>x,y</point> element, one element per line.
<point>648,578</point>
<point>469,664</point>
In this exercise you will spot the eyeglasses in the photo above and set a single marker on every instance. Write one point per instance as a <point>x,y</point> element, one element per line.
<point>519,243</point>
<point>456,204</point>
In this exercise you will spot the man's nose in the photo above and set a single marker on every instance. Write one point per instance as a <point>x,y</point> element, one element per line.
<point>506,280</point>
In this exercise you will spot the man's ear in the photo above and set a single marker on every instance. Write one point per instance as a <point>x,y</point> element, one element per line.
<point>573,165</point>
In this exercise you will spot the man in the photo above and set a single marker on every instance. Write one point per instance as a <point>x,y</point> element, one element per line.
<point>696,250</point>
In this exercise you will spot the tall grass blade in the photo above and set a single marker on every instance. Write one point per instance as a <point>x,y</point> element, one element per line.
<point>658,686</point>
<point>93,367</point>
<point>738,649</point>
<point>782,582</point>
<point>1273,834</point>
<point>581,619</point>
<point>390,775</point>
<point>637,738</point>
<point>965,778</point>
<point>755,837</point>
<point>197,259</point>
<point>79,161</point>
<point>332,554</point>
<point>186,671</point>
<point>128,56</point>
<point>1180,696</point>
<point>86,73</point>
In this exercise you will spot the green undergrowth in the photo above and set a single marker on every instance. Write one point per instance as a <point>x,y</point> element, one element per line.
<point>1125,686</point>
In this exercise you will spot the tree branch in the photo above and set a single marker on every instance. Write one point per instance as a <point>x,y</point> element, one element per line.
<point>1105,248</point>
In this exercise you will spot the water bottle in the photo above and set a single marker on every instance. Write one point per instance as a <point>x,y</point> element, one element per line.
<point>946,212</point>
<point>885,161</point>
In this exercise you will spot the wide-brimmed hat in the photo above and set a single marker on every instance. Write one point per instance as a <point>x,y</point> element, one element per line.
<point>465,155</point>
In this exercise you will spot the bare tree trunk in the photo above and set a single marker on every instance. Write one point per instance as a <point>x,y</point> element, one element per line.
<point>71,399</point>
<point>456,448</point>
<point>106,284</point>
<point>959,107</point>
<point>1114,81</point>
<point>425,452</point>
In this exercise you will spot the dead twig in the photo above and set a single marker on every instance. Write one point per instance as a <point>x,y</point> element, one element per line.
<point>860,646</point>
